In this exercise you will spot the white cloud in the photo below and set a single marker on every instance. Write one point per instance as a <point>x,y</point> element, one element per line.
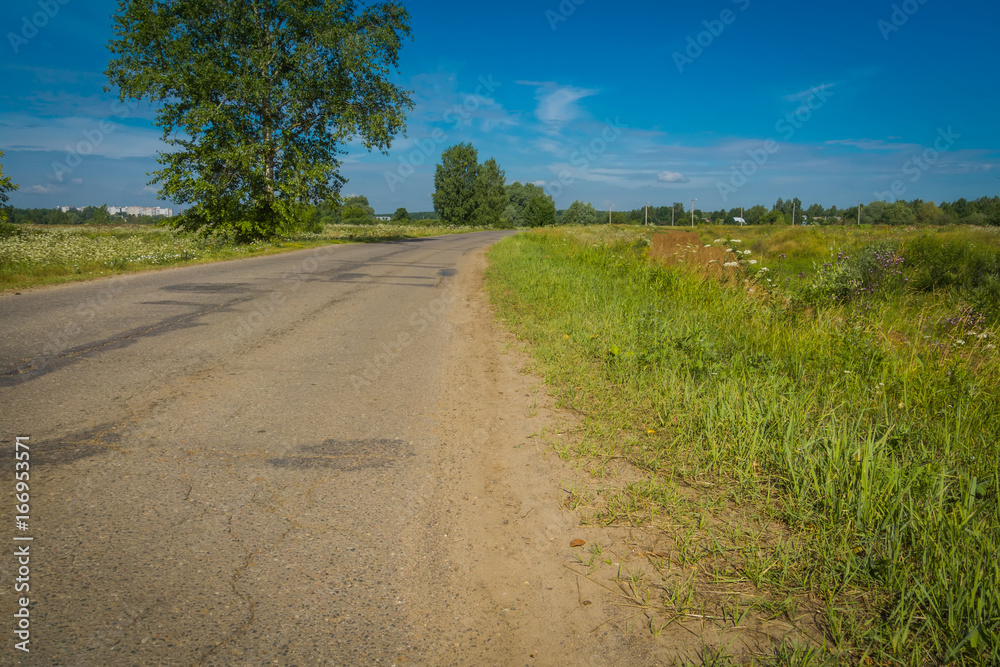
<point>557,105</point>
<point>44,189</point>
<point>671,177</point>
<point>77,181</point>
<point>806,94</point>
<point>151,189</point>
<point>83,135</point>
<point>872,144</point>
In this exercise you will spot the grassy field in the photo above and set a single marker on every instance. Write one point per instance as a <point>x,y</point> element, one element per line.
<point>817,434</point>
<point>39,255</point>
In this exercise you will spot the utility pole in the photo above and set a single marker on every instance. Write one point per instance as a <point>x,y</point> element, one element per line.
<point>692,210</point>
<point>673,209</point>
<point>793,213</point>
<point>609,212</point>
<point>647,214</point>
<point>859,213</point>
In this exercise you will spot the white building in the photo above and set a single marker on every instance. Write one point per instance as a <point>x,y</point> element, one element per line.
<point>141,210</point>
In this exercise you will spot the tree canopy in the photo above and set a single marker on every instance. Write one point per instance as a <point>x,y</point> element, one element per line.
<point>467,193</point>
<point>580,213</point>
<point>518,199</point>
<point>6,185</point>
<point>256,98</point>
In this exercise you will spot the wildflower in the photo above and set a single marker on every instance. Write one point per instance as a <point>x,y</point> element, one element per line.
<point>731,264</point>
<point>729,249</point>
<point>762,269</point>
<point>753,261</point>
<point>735,241</point>
<point>747,252</point>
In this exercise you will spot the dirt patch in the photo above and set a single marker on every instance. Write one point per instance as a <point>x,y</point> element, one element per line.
<point>686,248</point>
<point>531,593</point>
<point>501,556</point>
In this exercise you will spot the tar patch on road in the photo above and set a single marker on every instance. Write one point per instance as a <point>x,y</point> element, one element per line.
<point>75,447</point>
<point>347,454</point>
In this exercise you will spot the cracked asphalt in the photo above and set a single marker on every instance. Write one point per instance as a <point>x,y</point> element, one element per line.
<point>227,459</point>
<point>333,456</point>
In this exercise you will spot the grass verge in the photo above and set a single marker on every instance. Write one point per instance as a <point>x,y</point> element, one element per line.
<point>837,456</point>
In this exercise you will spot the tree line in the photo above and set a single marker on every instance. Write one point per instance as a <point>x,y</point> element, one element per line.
<point>982,211</point>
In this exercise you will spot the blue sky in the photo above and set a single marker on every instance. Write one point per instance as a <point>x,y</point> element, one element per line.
<point>732,102</point>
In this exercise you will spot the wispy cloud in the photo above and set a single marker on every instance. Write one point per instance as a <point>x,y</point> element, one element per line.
<point>671,177</point>
<point>44,189</point>
<point>557,105</point>
<point>809,92</point>
<point>872,144</point>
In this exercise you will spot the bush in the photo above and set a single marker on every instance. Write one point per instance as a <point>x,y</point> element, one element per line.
<point>875,271</point>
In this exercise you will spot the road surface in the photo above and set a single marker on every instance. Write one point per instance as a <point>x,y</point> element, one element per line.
<point>319,457</point>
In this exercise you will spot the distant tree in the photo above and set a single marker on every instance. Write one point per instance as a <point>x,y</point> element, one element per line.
<point>874,213</point>
<point>755,214</point>
<point>456,181</point>
<point>361,202</point>
<point>541,211</point>
<point>775,217</point>
<point>6,185</point>
<point>815,211</point>
<point>518,198</point>
<point>580,213</point>
<point>929,214</point>
<point>352,214</point>
<point>401,215</point>
<point>491,194</point>
<point>898,213</point>
<point>256,99</point>
<point>100,216</point>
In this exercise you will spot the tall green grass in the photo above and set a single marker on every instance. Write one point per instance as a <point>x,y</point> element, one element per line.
<point>869,427</point>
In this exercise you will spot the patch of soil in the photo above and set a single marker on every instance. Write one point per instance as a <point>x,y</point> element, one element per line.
<point>512,582</point>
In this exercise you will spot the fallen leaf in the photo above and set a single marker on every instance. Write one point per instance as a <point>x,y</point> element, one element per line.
<point>577,543</point>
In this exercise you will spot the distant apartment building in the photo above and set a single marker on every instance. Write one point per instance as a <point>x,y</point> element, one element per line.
<point>141,210</point>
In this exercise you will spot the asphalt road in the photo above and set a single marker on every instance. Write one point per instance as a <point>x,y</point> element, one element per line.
<point>227,461</point>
